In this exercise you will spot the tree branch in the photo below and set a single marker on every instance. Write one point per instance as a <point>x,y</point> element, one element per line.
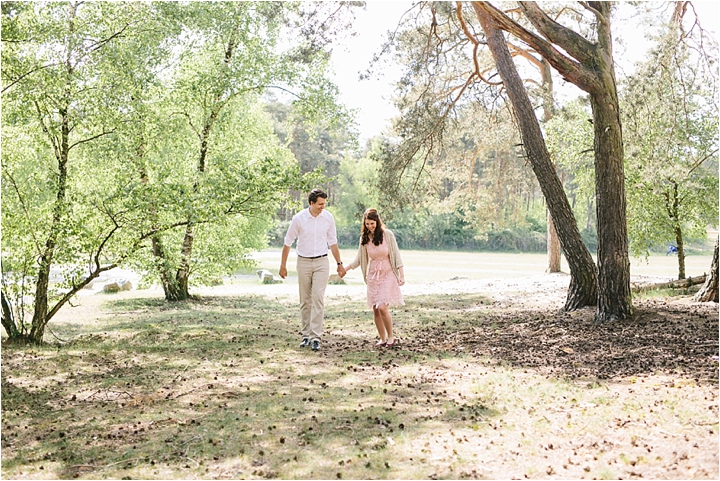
<point>90,139</point>
<point>570,68</point>
<point>51,137</point>
<point>99,44</point>
<point>476,45</point>
<point>703,159</point>
<point>28,73</point>
<point>573,43</point>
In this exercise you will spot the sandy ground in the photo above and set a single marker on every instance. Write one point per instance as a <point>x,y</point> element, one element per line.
<point>540,291</point>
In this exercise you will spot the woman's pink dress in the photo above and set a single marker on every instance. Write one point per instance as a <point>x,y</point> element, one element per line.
<point>382,285</point>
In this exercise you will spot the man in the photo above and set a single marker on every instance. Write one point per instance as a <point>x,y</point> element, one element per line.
<point>314,229</point>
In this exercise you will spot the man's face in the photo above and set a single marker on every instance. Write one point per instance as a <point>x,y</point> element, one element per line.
<point>317,206</point>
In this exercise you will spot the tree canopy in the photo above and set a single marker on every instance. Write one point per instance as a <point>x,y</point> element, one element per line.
<point>134,134</point>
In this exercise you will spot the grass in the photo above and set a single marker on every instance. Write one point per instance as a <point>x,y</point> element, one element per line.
<point>217,388</point>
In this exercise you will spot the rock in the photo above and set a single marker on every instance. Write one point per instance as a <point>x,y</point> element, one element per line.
<point>111,287</point>
<point>336,280</point>
<point>117,286</point>
<point>266,277</point>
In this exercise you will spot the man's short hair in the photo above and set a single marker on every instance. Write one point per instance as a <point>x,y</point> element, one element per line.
<point>314,194</point>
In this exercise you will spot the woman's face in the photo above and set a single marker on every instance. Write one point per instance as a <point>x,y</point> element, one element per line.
<point>370,225</point>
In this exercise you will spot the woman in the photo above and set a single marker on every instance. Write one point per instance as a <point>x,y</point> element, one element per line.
<point>379,258</point>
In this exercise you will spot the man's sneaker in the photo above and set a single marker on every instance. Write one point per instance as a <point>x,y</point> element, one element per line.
<point>316,345</point>
<point>305,342</point>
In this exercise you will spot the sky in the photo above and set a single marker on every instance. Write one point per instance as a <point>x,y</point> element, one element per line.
<point>372,98</point>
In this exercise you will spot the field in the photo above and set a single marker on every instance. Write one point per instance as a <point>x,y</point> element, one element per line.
<point>490,381</point>
<point>426,266</point>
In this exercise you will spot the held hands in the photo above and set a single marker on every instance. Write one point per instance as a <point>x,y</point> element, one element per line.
<point>341,271</point>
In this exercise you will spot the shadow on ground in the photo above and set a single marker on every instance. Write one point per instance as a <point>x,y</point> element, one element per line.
<point>679,339</point>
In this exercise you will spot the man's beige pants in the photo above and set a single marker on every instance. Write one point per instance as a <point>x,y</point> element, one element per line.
<point>313,277</point>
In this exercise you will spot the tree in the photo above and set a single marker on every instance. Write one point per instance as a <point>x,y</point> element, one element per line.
<point>356,187</point>
<point>671,124</point>
<point>63,94</point>
<point>440,103</point>
<point>589,65</point>
<point>318,148</point>
<point>233,54</point>
<point>583,282</point>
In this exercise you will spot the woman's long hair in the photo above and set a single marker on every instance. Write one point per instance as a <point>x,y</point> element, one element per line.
<point>372,214</point>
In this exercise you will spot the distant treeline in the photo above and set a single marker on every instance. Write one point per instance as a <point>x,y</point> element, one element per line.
<point>506,240</point>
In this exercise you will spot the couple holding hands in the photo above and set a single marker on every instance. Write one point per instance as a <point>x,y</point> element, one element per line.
<point>378,256</point>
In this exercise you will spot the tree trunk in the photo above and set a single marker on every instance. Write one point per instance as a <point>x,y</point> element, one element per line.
<point>553,246</point>
<point>8,319</point>
<point>680,252</point>
<point>589,65</point>
<point>553,243</point>
<point>165,271</point>
<point>583,275</point>
<point>614,294</point>
<point>183,272</point>
<point>709,291</point>
<point>589,224</point>
<point>40,313</point>
<point>672,204</point>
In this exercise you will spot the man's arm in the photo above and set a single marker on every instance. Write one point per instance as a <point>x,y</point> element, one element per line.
<point>283,261</point>
<point>336,254</point>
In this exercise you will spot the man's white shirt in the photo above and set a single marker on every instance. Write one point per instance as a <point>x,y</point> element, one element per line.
<point>313,234</point>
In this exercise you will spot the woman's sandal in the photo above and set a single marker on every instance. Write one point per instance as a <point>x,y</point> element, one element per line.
<point>380,343</point>
<point>394,343</point>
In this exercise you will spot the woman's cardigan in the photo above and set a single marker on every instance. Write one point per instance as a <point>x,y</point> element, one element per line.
<point>362,259</point>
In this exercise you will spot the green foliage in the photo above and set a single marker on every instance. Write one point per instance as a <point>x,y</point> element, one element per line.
<point>125,122</point>
<point>68,73</point>
<point>569,138</point>
<point>318,147</point>
<point>671,137</point>
<point>357,188</point>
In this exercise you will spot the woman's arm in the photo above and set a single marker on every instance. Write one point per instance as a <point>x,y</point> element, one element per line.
<point>356,261</point>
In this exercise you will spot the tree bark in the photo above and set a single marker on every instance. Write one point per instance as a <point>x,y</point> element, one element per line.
<point>709,291</point>
<point>553,246</point>
<point>589,65</point>
<point>614,294</point>
<point>583,276</point>
<point>680,243</point>
<point>8,320</point>
<point>553,242</point>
